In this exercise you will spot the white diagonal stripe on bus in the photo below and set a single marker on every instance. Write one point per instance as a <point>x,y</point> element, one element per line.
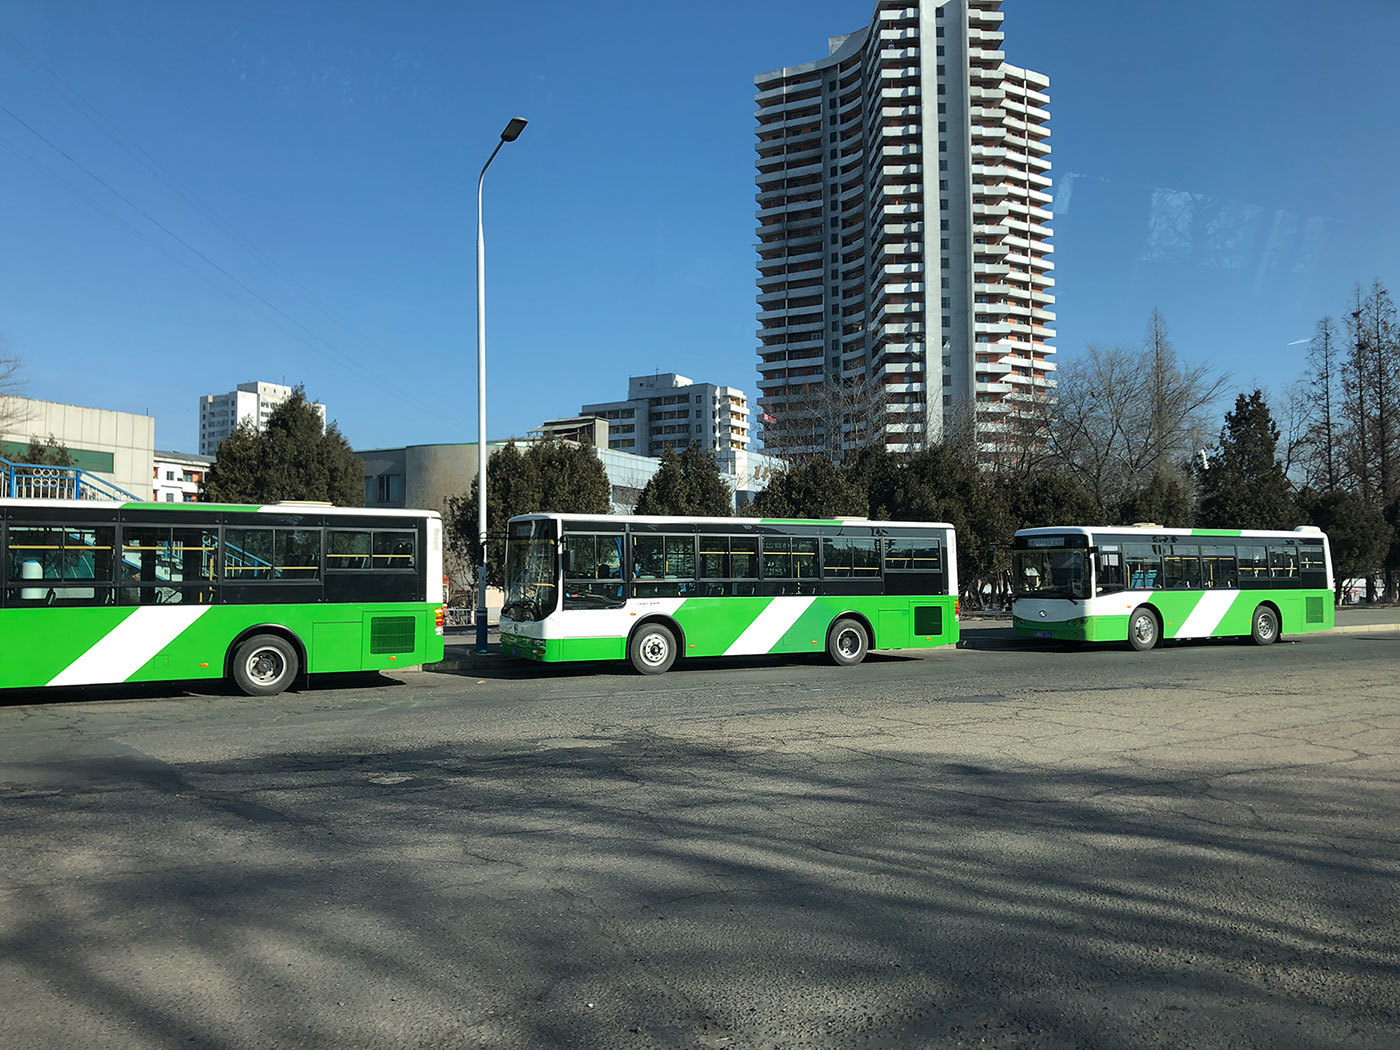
<point>768,626</point>
<point>127,647</point>
<point>1202,621</point>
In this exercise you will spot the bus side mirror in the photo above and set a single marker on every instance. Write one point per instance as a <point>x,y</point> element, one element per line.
<point>566,560</point>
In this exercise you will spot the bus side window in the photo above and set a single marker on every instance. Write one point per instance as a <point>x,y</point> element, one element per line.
<point>1312,564</point>
<point>1144,565</point>
<point>1253,562</point>
<point>1218,569</point>
<point>1283,562</point>
<point>1110,566</point>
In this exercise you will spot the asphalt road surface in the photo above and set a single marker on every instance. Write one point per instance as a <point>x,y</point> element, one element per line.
<point>1194,847</point>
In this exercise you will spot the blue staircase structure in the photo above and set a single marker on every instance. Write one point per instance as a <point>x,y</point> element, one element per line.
<point>36,481</point>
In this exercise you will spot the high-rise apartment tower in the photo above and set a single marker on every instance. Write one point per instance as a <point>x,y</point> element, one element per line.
<point>903,233</point>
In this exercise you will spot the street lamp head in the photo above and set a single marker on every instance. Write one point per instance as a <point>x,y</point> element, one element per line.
<point>513,129</point>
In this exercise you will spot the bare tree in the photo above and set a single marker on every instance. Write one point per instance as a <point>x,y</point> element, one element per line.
<point>1123,416</point>
<point>1319,393</point>
<point>12,416</point>
<point>827,420</point>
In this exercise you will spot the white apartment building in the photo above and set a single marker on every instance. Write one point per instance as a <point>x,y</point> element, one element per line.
<point>904,231</point>
<point>219,414</point>
<point>669,410</point>
<point>177,476</point>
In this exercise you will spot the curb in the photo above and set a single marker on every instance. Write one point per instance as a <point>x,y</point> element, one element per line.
<point>1365,628</point>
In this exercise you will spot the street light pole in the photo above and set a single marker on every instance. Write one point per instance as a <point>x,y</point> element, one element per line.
<point>510,134</point>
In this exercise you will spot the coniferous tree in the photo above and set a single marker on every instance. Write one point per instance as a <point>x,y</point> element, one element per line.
<point>1357,533</point>
<point>1165,500</point>
<point>1244,486</point>
<point>814,489</point>
<point>294,457</point>
<point>688,483</point>
<point>547,477</point>
<point>48,453</point>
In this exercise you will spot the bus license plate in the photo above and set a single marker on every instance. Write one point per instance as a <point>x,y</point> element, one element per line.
<point>1043,634</point>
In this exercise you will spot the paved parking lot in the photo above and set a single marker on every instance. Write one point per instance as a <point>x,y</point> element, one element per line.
<point>983,847</point>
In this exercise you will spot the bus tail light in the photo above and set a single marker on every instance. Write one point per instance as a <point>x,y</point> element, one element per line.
<point>957,608</point>
<point>438,616</point>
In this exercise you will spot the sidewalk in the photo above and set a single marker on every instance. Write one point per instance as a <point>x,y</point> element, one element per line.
<point>460,653</point>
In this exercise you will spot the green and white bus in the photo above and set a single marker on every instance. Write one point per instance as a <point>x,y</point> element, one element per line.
<point>651,589</point>
<point>97,593</point>
<point>1144,584</point>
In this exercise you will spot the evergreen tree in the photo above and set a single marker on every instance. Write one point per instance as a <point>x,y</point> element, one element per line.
<point>688,483</point>
<point>1357,533</point>
<point>47,453</point>
<point>559,477</point>
<point>815,489</point>
<point>1244,485</point>
<point>1053,497</point>
<point>1165,500</point>
<point>292,458</point>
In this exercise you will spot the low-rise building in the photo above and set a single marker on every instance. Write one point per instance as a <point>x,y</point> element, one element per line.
<point>177,476</point>
<point>667,410</point>
<point>117,447</point>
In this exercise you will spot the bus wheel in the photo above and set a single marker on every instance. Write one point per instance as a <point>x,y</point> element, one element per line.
<point>1264,629</point>
<point>265,665</point>
<point>846,644</point>
<point>653,649</point>
<point>1143,630</point>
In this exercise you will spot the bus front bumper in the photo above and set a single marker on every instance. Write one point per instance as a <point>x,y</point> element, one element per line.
<point>528,648</point>
<point>1079,629</point>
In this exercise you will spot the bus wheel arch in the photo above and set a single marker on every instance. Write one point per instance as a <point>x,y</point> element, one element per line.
<point>1145,627</point>
<point>1266,624</point>
<point>848,639</point>
<point>654,644</point>
<point>265,635</point>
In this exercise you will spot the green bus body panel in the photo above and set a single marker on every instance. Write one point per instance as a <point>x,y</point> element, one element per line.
<point>1175,606</point>
<point>337,638</point>
<point>50,642</point>
<point>712,625</point>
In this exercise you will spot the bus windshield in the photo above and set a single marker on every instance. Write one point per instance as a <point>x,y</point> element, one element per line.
<point>1051,573</point>
<point>531,568</point>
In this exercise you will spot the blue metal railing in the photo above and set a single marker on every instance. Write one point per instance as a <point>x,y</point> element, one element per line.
<point>36,481</point>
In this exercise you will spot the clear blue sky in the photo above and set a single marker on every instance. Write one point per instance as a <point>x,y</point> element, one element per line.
<point>1232,164</point>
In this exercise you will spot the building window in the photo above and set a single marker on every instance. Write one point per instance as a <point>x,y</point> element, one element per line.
<point>943,107</point>
<point>947,304</point>
<point>944,244</point>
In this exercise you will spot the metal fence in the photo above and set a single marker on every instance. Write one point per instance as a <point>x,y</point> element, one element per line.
<point>36,481</point>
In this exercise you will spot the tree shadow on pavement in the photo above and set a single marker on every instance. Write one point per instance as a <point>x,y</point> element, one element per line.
<point>631,889</point>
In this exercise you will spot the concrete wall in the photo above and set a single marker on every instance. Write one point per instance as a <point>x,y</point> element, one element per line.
<point>127,437</point>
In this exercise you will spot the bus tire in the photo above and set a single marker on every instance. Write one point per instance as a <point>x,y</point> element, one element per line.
<point>652,649</point>
<point>1144,629</point>
<point>846,643</point>
<point>265,665</point>
<point>1263,628</point>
